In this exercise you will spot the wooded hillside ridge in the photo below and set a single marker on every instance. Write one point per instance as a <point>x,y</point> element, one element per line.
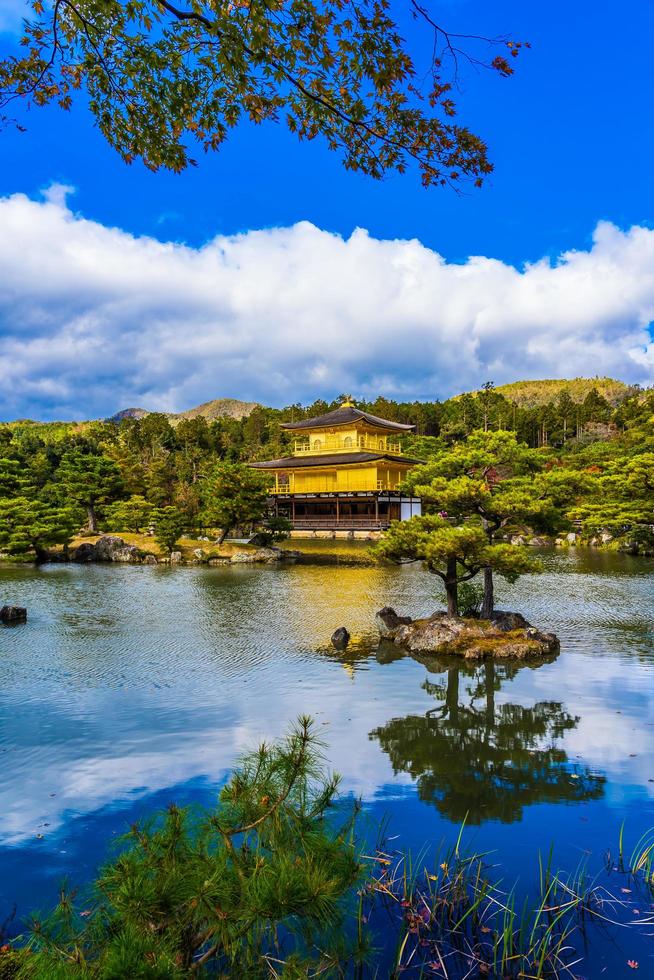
<point>525,394</point>
<point>592,465</point>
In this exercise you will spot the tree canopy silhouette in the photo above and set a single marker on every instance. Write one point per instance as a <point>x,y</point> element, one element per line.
<point>159,76</point>
<point>474,758</point>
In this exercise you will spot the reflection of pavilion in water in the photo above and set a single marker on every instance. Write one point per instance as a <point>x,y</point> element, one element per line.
<point>472,757</point>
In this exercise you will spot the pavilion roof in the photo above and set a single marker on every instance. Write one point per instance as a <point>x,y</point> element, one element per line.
<point>331,459</point>
<point>343,416</point>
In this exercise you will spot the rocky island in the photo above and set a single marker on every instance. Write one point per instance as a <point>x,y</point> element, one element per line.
<point>507,636</point>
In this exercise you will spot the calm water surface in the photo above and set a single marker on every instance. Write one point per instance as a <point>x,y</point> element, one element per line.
<point>131,686</point>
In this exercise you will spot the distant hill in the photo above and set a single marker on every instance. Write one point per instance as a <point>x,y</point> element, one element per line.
<point>128,413</point>
<point>218,408</point>
<point>530,394</point>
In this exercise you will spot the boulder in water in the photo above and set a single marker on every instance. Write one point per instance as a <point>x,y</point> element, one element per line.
<point>388,621</point>
<point>13,614</point>
<point>340,638</point>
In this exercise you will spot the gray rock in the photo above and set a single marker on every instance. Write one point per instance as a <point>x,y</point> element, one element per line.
<point>199,553</point>
<point>517,539</point>
<point>107,548</point>
<point>175,557</point>
<point>508,621</point>
<point>260,555</point>
<point>507,636</point>
<point>13,614</point>
<point>388,621</point>
<point>605,537</point>
<point>340,638</point>
<point>149,560</point>
<point>84,552</point>
<point>571,538</point>
<point>112,548</point>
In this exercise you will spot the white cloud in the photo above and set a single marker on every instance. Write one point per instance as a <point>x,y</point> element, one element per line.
<point>93,319</point>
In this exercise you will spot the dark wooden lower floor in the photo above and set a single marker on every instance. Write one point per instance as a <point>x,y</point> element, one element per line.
<point>373,511</point>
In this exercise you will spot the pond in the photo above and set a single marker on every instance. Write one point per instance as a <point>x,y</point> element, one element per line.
<point>131,686</point>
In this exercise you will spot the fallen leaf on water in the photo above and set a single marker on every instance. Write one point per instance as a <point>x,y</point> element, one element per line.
<point>633,964</point>
<point>626,891</point>
<point>485,929</point>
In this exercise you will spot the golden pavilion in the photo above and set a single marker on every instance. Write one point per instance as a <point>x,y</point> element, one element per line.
<point>344,473</point>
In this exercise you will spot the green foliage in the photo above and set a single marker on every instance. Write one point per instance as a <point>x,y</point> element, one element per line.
<point>470,596</point>
<point>234,495</point>
<point>455,554</point>
<point>265,874</point>
<point>168,527</point>
<point>157,76</point>
<point>276,529</point>
<point>89,479</point>
<point>133,515</point>
<point>532,393</point>
<point>32,525</point>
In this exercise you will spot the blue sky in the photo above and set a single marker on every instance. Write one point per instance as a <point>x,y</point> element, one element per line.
<point>572,139</point>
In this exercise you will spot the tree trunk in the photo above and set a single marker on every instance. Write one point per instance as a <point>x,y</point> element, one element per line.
<point>222,535</point>
<point>452,694</point>
<point>489,683</point>
<point>488,604</point>
<point>451,584</point>
<point>93,520</point>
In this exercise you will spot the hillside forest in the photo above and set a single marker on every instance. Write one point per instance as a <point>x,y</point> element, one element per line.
<point>588,446</point>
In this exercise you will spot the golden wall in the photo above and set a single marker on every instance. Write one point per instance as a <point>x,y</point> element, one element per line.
<point>341,479</point>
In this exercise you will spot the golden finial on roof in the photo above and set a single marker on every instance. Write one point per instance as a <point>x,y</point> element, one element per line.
<point>348,402</point>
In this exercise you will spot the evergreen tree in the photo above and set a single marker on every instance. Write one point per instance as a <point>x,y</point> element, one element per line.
<point>32,525</point>
<point>234,495</point>
<point>480,478</point>
<point>455,554</point>
<point>168,527</point>
<point>263,878</point>
<point>129,515</point>
<point>89,479</point>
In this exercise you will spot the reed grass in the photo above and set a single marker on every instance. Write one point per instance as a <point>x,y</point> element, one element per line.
<point>457,919</point>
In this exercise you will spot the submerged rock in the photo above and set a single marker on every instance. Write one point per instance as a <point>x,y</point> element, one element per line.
<point>13,614</point>
<point>340,638</point>
<point>507,636</point>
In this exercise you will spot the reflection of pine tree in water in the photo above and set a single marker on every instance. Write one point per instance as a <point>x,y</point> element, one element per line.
<point>471,756</point>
